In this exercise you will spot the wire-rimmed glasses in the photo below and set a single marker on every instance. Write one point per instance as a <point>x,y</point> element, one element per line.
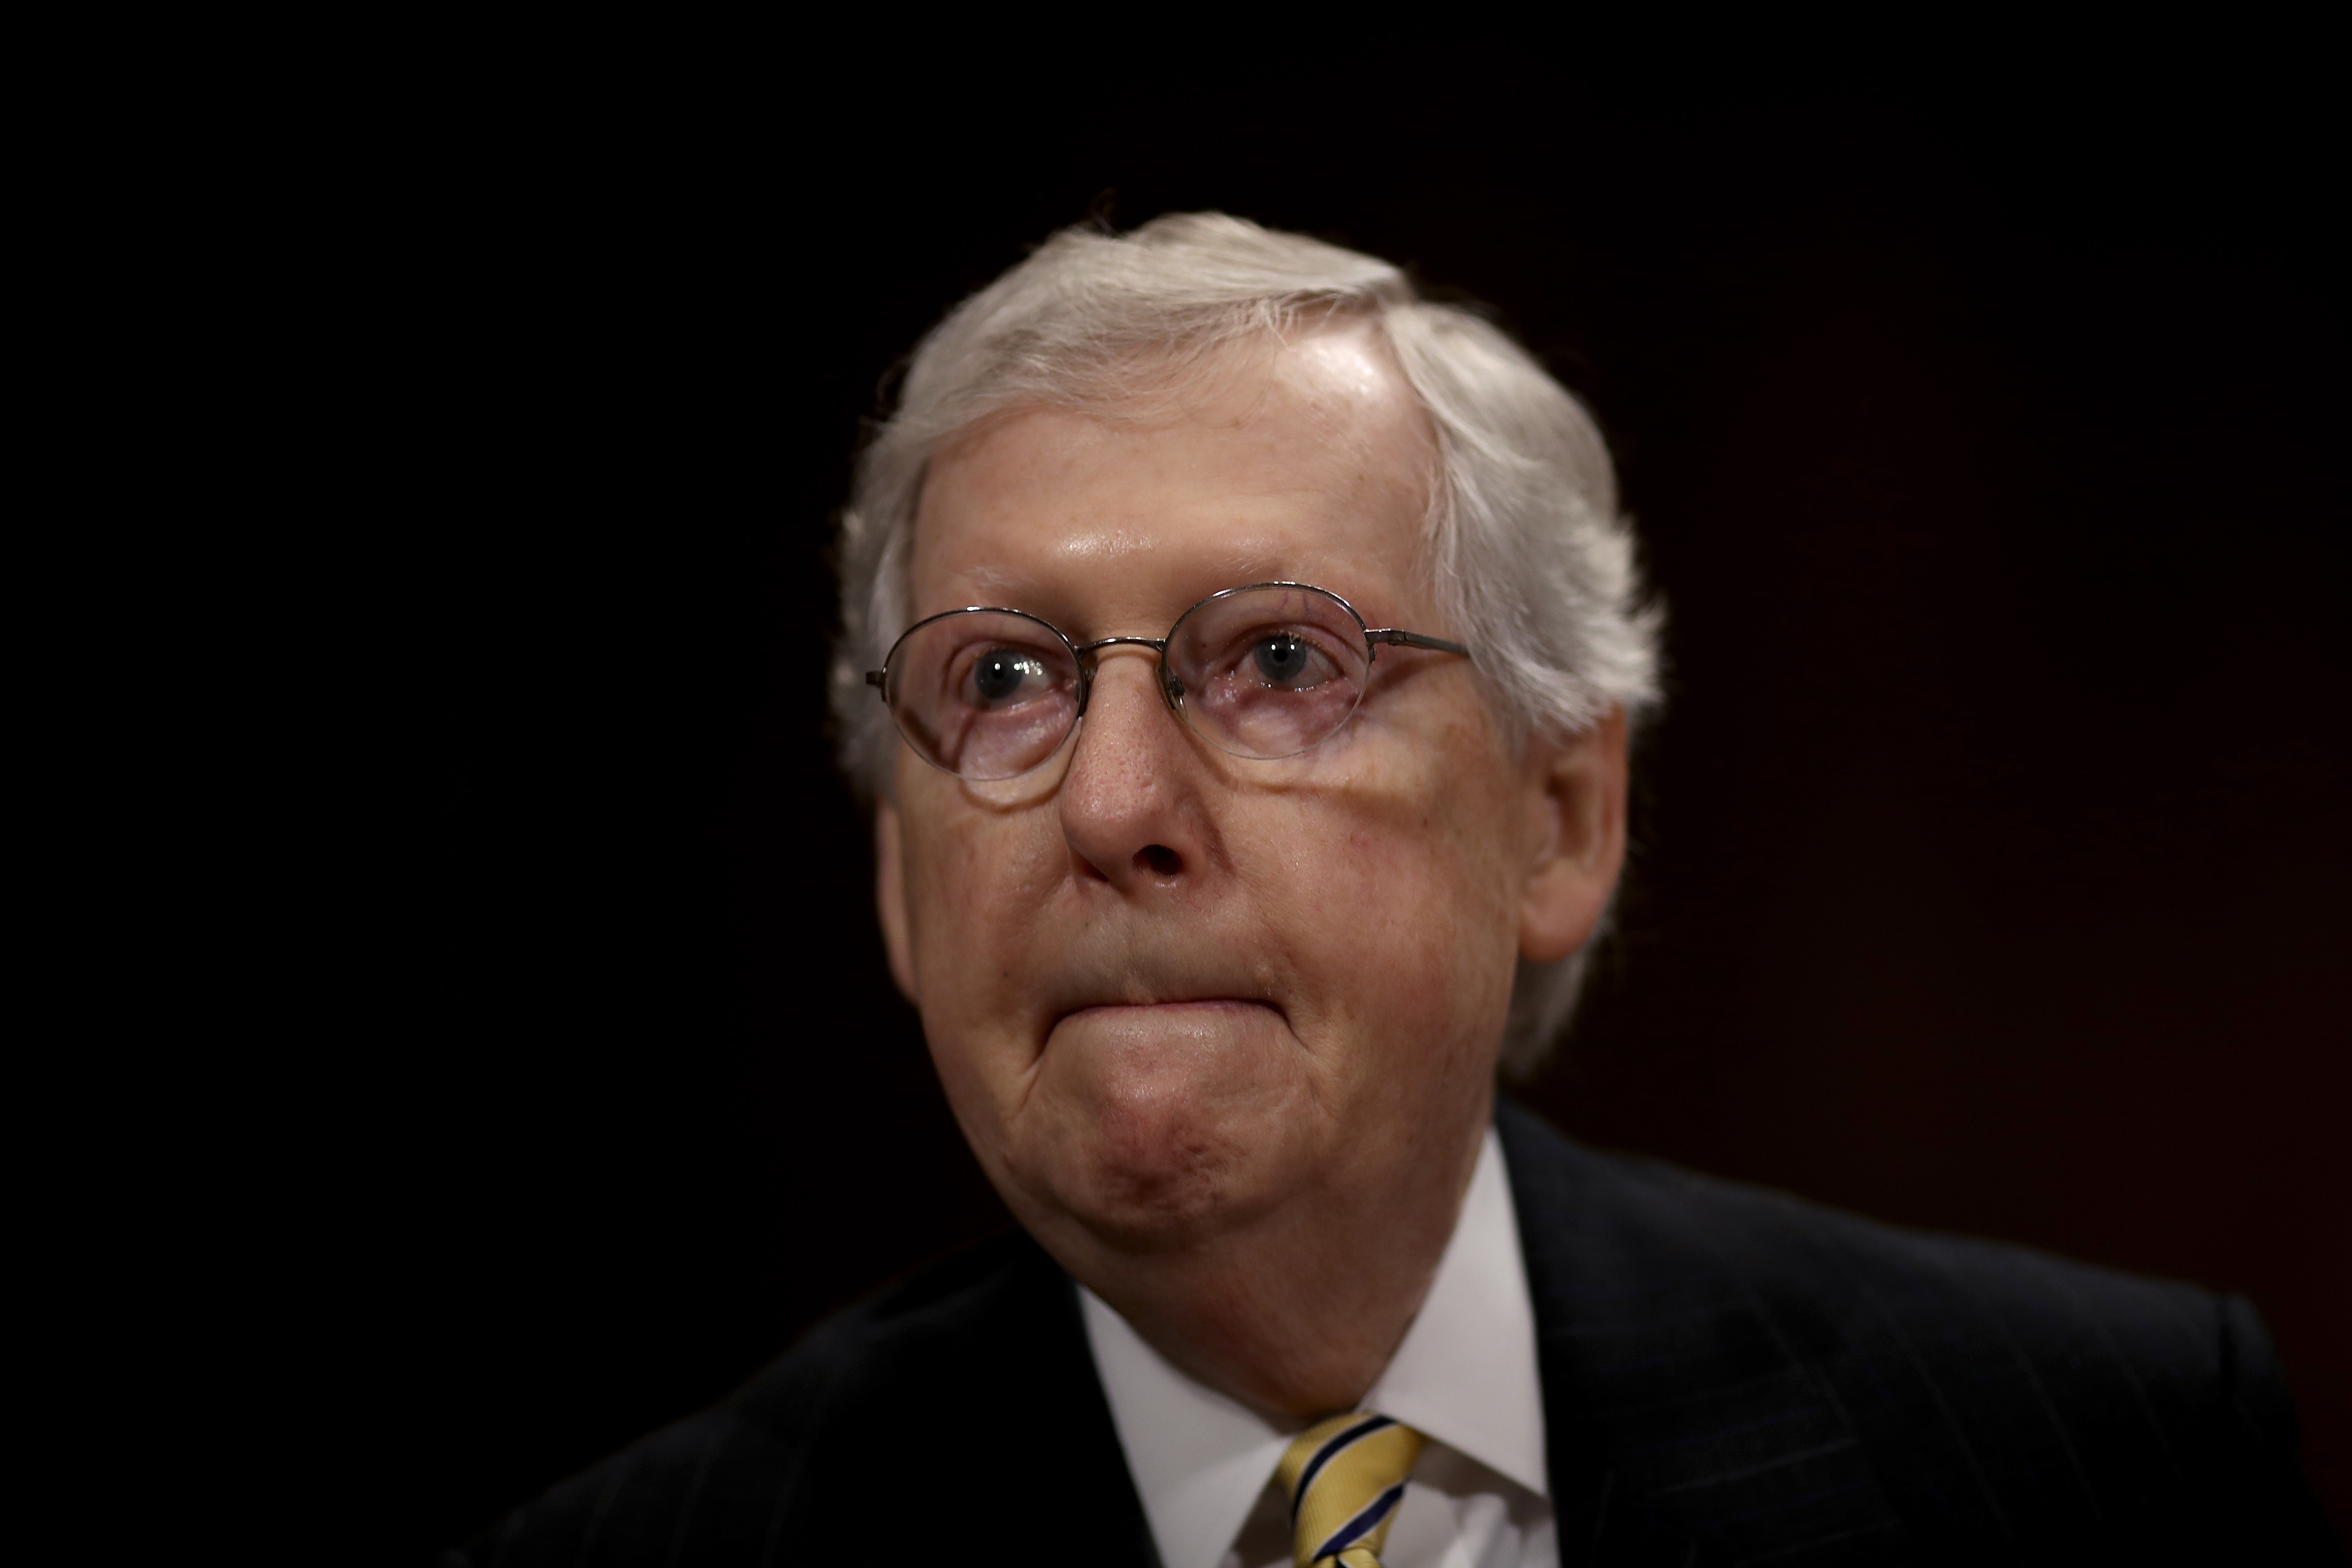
<point>1267,670</point>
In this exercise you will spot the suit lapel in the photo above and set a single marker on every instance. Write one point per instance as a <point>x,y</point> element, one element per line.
<point>1689,1418</point>
<point>1060,1424</point>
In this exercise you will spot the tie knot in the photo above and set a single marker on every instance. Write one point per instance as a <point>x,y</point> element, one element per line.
<point>1344,1477</point>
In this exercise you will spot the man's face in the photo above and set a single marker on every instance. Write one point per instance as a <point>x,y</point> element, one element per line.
<point>1169,990</point>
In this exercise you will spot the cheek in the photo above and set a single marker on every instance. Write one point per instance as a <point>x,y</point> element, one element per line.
<point>1404,897</point>
<point>975,885</point>
<point>1429,928</point>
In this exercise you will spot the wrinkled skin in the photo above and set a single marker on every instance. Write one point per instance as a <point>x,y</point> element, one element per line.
<point>1222,1032</point>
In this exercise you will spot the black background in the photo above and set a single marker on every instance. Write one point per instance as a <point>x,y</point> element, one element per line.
<point>1982,419</point>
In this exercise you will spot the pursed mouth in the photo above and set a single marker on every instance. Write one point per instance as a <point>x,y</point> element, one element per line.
<point>1172,1006</point>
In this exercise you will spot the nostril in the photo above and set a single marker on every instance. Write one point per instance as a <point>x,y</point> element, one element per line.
<point>1158,859</point>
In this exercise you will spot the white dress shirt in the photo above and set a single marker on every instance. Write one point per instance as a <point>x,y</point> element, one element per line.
<point>1464,1378</point>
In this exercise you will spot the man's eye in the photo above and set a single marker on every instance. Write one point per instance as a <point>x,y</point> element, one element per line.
<point>1282,660</point>
<point>998,675</point>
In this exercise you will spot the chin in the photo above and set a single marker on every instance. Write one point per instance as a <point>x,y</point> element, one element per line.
<point>1165,1146</point>
<point>1164,1183</point>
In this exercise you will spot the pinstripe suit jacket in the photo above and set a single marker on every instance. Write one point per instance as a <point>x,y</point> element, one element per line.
<point>1729,1376</point>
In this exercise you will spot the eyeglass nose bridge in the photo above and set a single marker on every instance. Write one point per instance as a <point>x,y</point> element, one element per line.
<point>1171,686</point>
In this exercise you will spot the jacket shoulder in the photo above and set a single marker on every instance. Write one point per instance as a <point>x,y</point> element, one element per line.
<point>2002,1396</point>
<point>807,1461</point>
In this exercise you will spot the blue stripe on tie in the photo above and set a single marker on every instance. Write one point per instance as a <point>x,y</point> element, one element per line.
<point>1364,1428</point>
<point>1363,1524</point>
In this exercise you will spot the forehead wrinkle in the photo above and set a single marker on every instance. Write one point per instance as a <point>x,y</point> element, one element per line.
<point>1070,566</point>
<point>1341,374</point>
<point>1077,593</point>
<point>1344,380</point>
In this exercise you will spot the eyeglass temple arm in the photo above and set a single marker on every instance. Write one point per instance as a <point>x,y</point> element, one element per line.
<point>1410,639</point>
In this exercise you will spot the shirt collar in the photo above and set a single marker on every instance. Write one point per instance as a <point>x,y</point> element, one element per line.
<point>1464,1375</point>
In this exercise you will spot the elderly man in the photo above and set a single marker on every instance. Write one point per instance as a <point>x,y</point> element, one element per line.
<point>1240,654</point>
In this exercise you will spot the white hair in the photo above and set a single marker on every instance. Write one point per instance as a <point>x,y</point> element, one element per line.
<point>1531,564</point>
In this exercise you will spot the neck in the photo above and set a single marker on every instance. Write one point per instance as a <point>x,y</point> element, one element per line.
<point>1298,1313</point>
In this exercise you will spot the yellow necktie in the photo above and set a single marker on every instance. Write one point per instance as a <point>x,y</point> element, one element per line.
<point>1345,1478</point>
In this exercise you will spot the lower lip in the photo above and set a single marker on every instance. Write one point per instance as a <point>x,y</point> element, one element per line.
<point>1156,1025</point>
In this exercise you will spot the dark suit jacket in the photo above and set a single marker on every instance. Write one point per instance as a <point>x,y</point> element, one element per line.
<point>1729,1375</point>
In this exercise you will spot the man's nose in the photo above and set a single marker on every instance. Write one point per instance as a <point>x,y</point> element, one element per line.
<point>1130,809</point>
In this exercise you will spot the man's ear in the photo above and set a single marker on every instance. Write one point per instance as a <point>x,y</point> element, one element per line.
<point>890,897</point>
<point>1575,798</point>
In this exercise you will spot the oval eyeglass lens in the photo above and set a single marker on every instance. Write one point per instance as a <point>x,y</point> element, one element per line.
<point>984,694</point>
<point>1268,672</point>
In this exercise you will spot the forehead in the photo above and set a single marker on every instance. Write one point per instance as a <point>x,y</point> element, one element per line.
<point>1306,461</point>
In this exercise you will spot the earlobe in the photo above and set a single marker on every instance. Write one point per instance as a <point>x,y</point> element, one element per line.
<point>890,897</point>
<point>1577,800</point>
